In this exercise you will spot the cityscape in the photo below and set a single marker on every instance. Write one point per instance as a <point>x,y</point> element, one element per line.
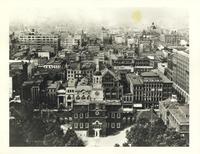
<point>115,77</point>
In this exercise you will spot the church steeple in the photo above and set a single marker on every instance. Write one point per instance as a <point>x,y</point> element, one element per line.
<point>97,77</point>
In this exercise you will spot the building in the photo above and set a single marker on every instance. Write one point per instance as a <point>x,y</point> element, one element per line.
<point>178,72</point>
<point>165,105</point>
<point>36,40</point>
<point>51,94</point>
<point>32,90</point>
<point>97,118</point>
<point>112,87</point>
<point>53,64</point>
<point>179,119</point>
<point>78,70</point>
<point>173,39</point>
<point>148,89</point>
<point>43,54</point>
<point>175,115</point>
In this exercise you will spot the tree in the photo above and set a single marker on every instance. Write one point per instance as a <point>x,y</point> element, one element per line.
<point>146,133</point>
<point>138,135</point>
<point>71,139</point>
<point>173,138</point>
<point>54,135</point>
<point>116,145</point>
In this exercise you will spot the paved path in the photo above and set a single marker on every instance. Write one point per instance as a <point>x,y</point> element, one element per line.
<point>108,141</point>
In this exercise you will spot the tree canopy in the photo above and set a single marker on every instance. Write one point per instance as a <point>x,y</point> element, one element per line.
<point>146,133</point>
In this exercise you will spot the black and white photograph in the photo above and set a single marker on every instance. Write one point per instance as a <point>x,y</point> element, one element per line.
<point>99,77</point>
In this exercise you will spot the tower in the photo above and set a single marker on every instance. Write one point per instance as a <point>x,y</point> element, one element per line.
<point>97,91</point>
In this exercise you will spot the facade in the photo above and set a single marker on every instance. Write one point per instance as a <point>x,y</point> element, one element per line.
<point>78,70</point>
<point>37,40</point>
<point>178,72</point>
<point>51,94</point>
<point>175,115</point>
<point>112,87</point>
<point>179,119</point>
<point>97,118</point>
<point>171,39</point>
<point>148,89</point>
<point>32,90</point>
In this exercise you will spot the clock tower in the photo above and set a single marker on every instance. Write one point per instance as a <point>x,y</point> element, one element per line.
<point>97,90</point>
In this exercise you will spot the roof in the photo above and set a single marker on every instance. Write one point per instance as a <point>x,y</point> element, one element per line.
<point>106,70</point>
<point>163,77</point>
<point>179,116</point>
<point>74,66</point>
<point>149,74</point>
<point>169,103</point>
<point>97,73</point>
<point>184,109</point>
<point>53,86</point>
<point>83,87</point>
<point>134,79</point>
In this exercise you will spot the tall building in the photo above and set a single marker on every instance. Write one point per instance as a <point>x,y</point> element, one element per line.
<point>37,40</point>
<point>178,72</point>
<point>32,91</point>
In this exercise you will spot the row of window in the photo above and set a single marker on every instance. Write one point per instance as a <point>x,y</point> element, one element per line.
<point>80,115</point>
<point>76,115</point>
<point>86,125</point>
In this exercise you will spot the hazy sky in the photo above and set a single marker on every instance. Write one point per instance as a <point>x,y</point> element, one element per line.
<point>165,17</point>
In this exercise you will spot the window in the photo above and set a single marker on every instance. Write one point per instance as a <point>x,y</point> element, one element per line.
<point>86,115</point>
<point>76,115</point>
<point>75,125</point>
<point>81,115</point>
<point>81,125</point>
<point>113,115</point>
<point>86,125</point>
<point>118,115</point>
<point>78,97</point>
<point>118,125</point>
<point>108,125</point>
<point>112,125</point>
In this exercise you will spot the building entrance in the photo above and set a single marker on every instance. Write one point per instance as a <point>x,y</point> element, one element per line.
<point>97,127</point>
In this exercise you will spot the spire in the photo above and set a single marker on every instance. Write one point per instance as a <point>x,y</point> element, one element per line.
<point>97,64</point>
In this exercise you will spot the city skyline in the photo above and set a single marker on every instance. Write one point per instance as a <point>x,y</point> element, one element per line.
<point>109,17</point>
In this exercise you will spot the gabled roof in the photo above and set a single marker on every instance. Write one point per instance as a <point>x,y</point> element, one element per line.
<point>106,70</point>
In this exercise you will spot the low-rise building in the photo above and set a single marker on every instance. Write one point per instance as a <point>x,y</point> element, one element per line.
<point>97,118</point>
<point>175,115</point>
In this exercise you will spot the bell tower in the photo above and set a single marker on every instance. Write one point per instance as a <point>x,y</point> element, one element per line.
<point>97,92</point>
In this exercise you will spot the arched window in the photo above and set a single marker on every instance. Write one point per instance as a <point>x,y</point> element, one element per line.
<point>78,97</point>
<point>88,97</point>
<point>68,97</point>
<point>83,97</point>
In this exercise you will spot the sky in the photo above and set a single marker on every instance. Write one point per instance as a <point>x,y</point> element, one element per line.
<point>165,17</point>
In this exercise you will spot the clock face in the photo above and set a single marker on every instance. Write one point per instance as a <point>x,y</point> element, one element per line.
<point>96,93</point>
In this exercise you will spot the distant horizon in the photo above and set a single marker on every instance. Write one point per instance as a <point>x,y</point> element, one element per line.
<point>169,18</point>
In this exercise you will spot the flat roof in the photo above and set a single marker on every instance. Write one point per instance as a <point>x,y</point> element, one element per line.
<point>134,79</point>
<point>181,119</point>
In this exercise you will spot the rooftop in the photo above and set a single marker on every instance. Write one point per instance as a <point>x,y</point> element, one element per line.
<point>163,77</point>
<point>149,74</point>
<point>134,79</point>
<point>179,116</point>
